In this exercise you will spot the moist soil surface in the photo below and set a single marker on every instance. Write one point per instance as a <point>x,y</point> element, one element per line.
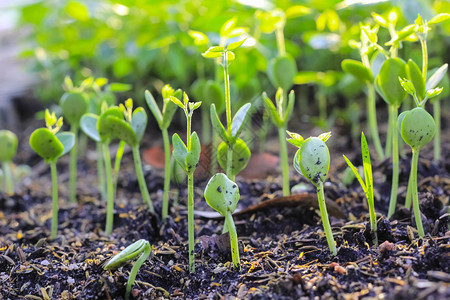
<point>283,250</point>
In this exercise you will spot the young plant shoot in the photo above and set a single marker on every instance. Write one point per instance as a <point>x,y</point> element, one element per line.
<point>187,156</point>
<point>8,150</point>
<point>128,254</point>
<point>164,119</point>
<point>74,104</point>
<point>237,152</point>
<point>50,144</point>
<point>222,195</point>
<point>392,92</point>
<point>280,116</point>
<point>366,184</point>
<point>312,160</point>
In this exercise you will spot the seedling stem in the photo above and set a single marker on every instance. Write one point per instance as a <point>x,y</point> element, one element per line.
<point>325,220</point>
<point>415,195</point>
<point>73,166</point>
<point>141,178</point>
<point>109,190</point>
<point>393,111</point>
<point>233,239</point>
<point>54,233</point>
<point>8,177</point>
<point>165,204</point>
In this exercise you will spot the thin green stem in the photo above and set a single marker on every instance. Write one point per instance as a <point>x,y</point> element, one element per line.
<point>393,111</point>
<point>101,172</point>
<point>230,162</point>
<point>423,43</point>
<point>191,236</point>
<point>233,240</point>
<point>284,160</point>
<point>109,190</point>
<point>409,191</point>
<point>9,186</point>
<point>73,166</point>
<point>415,195</point>
<point>372,118</point>
<point>135,269</point>
<point>55,206</point>
<point>373,217</point>
<point>280,41</point>
<point>388,149</point>
<point>325,220</point>
<point>141,179</point>
<point>119,155</point>
<point>437,135</point>
<point>167,169</point>
<point>226,78</point>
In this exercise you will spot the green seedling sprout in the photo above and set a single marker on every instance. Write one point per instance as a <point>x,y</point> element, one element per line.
<point>312,160</point>
<point>235,127</point>
<point>74,104</point>
<point>50,144</point>
<point>222,195</point>
<point>128,254</point>
<point>393,94</point>
<point>187,156</point>
<point>111,125</point>
<point>164,119</point>
<point>280,115</point>
<point>8,150</point>
<point>366,184</point>
<point>362,71</point>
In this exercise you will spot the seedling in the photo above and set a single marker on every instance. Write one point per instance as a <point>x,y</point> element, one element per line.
<point>235,127</point>
<point>222,195</point>
<point>74,104</point>
<point>393,94</point>
<point>50,144</point>
<point>366,184</point>
<point>164,119</point>
<point>111,125</point>
<point>128,254</point>
<point>8,150</point>
<point>312,160</point>
<point>187,156</point>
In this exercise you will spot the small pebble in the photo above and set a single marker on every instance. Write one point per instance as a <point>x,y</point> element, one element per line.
<point>386,246</point>
<point>45,262</point>
<point>70,280</point>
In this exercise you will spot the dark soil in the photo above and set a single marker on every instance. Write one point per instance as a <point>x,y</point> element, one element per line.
<point>284,253</point>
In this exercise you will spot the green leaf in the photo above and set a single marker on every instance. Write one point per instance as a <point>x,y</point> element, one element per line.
<point>68,84</point>
<point>67,139</point>
<point>119,87</point>
<point>199,37</point>
<point>290,108</point>
<point>417,128</point>
<point>439,18</point>
<point>407,86</point>
<point>74,105</point>
<point>357,69</point>
<point>314,160</point>
<point>437,76</point>
<point>196,105</point>
<point>273,113</point>
<point>9,143</point>
<point>209,54</point>
<point>89,126</point>
<point>105,132</point>
<point>179,151</point>
<point>380,20</point>
<point>235,45</point>
<point>281,72</point>
<point>367,164</point>
<point>296,139</point>
<point>325,136</point>
<point>239,120</point>
<point>177,102</point>
<point>193,155</point>
<point>216,49</point>
<point>169,110</point>
<point>46,144</point>
<point>230,55</point>
<point>117,128</point>
<point>416,78</point>
<point>402,34</point>
<point>222,194</point>
<point>151,103</point>
<point>217,125</point>
<point>434,92</point>
<point>101,81</point>
<point>241,156</point>
<point>77,10</point>
<point>127,254</point>
<point>387,79</point>
<point>297,11</point>
<point>355,171</point>
<point>139,122</point>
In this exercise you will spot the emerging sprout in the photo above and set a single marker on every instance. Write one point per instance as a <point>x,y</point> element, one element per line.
<point>366,184</point>
<point>222,195</point>
<point>187,156</point>
<point>312,160</point>
<point>51,145</point>
<point>8,140</point>
<point>128,254</point>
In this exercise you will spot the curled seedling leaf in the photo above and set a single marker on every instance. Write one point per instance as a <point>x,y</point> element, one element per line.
<point>417,128</point>
<point>241,156</point>
<point>74,105</point>
<point>8,142</point>
<point>281,71</point>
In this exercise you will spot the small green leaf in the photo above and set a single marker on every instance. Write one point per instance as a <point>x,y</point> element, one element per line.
<point>235,45</point>
<point>325,136</point>
<point>415,76</point>
<point>290,108</point>
<point>297,11</point>
<point>101,81</point>
<point>355,171</point>
<point>179,151</point>
<point>239,120</point>
<point>357,69</point>
<point>68,84</point>
<point>74,105</point>
<point>169,110</point>
<point>296,139</point>
<point>241,156</point>
<point>281,72</point>
<point>407,86</point>
<point>89,126</point>
<point>199,37</point>
<point>222,194</point>
<point>151,103</point>
<point>439,18</point>
<point>127,254</point>
<point>314,160</point>
<point>230,55</point>
<point>380,20</point>
<point>402,34</point>
<point>196,105</point>
<point>434,92</point>
<point>367,164</point>
<point>273,113</point>
<point>46,144</point>
<point>217,125</point>
<point>105,132</point>
<point>117,128</point>
<point>216,49</point>
<point>209,54</point>
<point>437,76</point>
<point>417,128</point>
<point>67,139</point>
<point>387,80</point>
<point>177,102</point>
<point>139,122</point>
<point>193,155</point>
<point>119,87</point>
<point>8,142</point>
